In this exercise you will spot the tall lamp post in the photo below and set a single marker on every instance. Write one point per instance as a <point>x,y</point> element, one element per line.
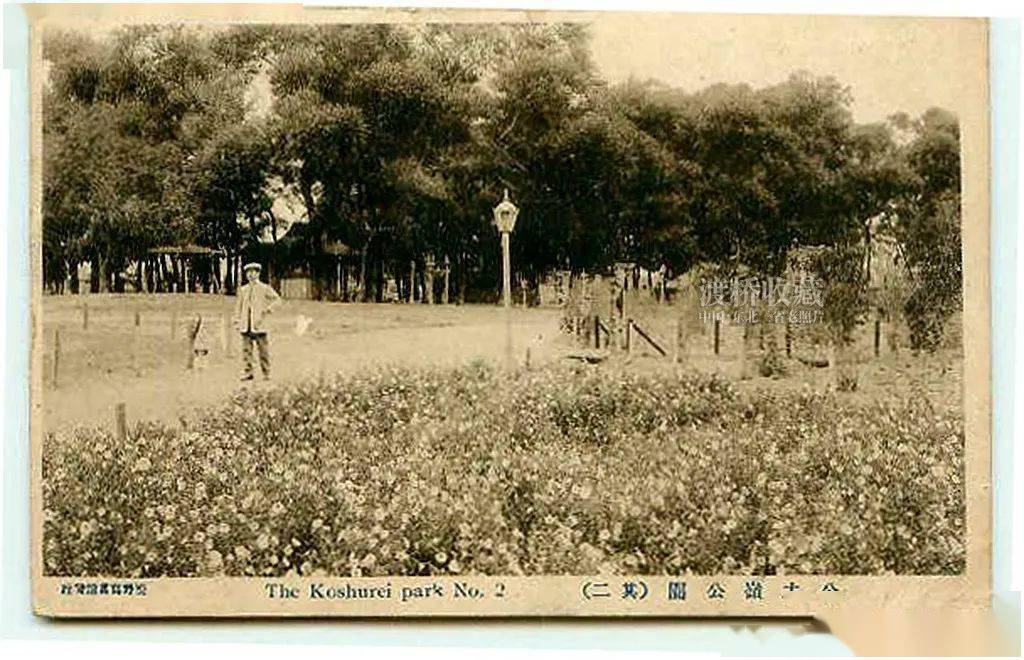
<point>505,214</point>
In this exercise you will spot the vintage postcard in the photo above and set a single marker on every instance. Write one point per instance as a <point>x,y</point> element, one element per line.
<point>502,313</point>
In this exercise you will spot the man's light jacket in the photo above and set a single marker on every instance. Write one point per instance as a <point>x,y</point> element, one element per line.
<point>255,301</point>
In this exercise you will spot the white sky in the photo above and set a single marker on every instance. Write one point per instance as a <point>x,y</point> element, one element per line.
<point>890,64</point>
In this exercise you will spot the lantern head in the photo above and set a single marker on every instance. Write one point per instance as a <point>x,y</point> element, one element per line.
<point>505,214</point>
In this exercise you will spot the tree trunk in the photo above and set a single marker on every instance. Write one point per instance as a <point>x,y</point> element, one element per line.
<point>229,274</point>
<point>104,284</point>
<point>94,274</point>
<point>208,268</point>
<point>412,282</point>
<point>177,274</point>
<point>447,273</point>
<point>165,277</point>
<point>462,278</point>
<point>379,297</point>
<point>215,267</point>
<point>363,289</point>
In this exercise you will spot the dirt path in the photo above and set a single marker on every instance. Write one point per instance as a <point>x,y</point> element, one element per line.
<point>129,353</point>
<point>168,391</point>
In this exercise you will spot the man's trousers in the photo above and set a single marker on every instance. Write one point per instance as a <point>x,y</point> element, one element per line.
<point>260,339</point>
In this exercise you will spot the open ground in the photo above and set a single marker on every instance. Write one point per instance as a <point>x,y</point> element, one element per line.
<point>391,442</point>
<point>106,359</point>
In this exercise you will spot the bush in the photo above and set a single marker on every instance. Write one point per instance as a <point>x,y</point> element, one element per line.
<point>933,246</point>
<point>928,313</point>
<point>418,472</point>
<point>772,364</point>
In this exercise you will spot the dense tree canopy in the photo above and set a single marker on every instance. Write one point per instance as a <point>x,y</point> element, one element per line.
<point>398,140</point>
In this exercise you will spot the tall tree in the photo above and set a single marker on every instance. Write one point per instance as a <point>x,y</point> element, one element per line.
<point>124,115</point>
<point>928,226</point>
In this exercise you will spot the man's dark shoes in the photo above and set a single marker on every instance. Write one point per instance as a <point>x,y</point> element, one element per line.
<point>247,377</point>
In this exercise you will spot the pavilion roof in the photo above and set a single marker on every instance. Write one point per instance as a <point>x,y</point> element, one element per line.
<point>337,248</point>
<point>190,249</point>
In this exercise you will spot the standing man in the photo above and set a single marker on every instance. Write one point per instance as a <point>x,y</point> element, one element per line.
<point>255,301</point>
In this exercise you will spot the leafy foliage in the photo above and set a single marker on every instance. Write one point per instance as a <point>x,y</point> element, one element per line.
<point>419,472</point>
<point>399,139</point>
<point>123,117</point>
<point>928,228</point>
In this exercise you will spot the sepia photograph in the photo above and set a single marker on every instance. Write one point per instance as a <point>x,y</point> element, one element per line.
<point>486,296</point>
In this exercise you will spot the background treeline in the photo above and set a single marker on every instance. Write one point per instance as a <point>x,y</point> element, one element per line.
<point>398,141</point>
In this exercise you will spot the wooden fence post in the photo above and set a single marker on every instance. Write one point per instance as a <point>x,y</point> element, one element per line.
<point>718,331</point>
<point>629,335</point>
<point>744,361</point>
<point>789,340</point>
<point>120,423</point>
<point>878,336</point>
<point>649,339</point>
<point>135,346</point>
<point>675,344</point>
<point>225,326</point>
<point>56,356</point>
<point>833,372</point>
<point>135,342</point>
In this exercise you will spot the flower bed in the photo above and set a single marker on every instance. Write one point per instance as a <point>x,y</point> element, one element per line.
<point>470,471</point>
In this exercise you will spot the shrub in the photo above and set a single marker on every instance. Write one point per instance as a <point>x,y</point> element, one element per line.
<point>772,364</point>
<point>419,472</point>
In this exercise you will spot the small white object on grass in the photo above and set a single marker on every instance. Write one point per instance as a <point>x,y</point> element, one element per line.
<point>302,324</point>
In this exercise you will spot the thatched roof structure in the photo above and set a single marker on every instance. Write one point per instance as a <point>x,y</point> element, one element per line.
<point>185,250</point>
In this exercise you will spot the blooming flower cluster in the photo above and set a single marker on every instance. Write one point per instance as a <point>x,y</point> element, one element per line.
<point>472,471</point>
